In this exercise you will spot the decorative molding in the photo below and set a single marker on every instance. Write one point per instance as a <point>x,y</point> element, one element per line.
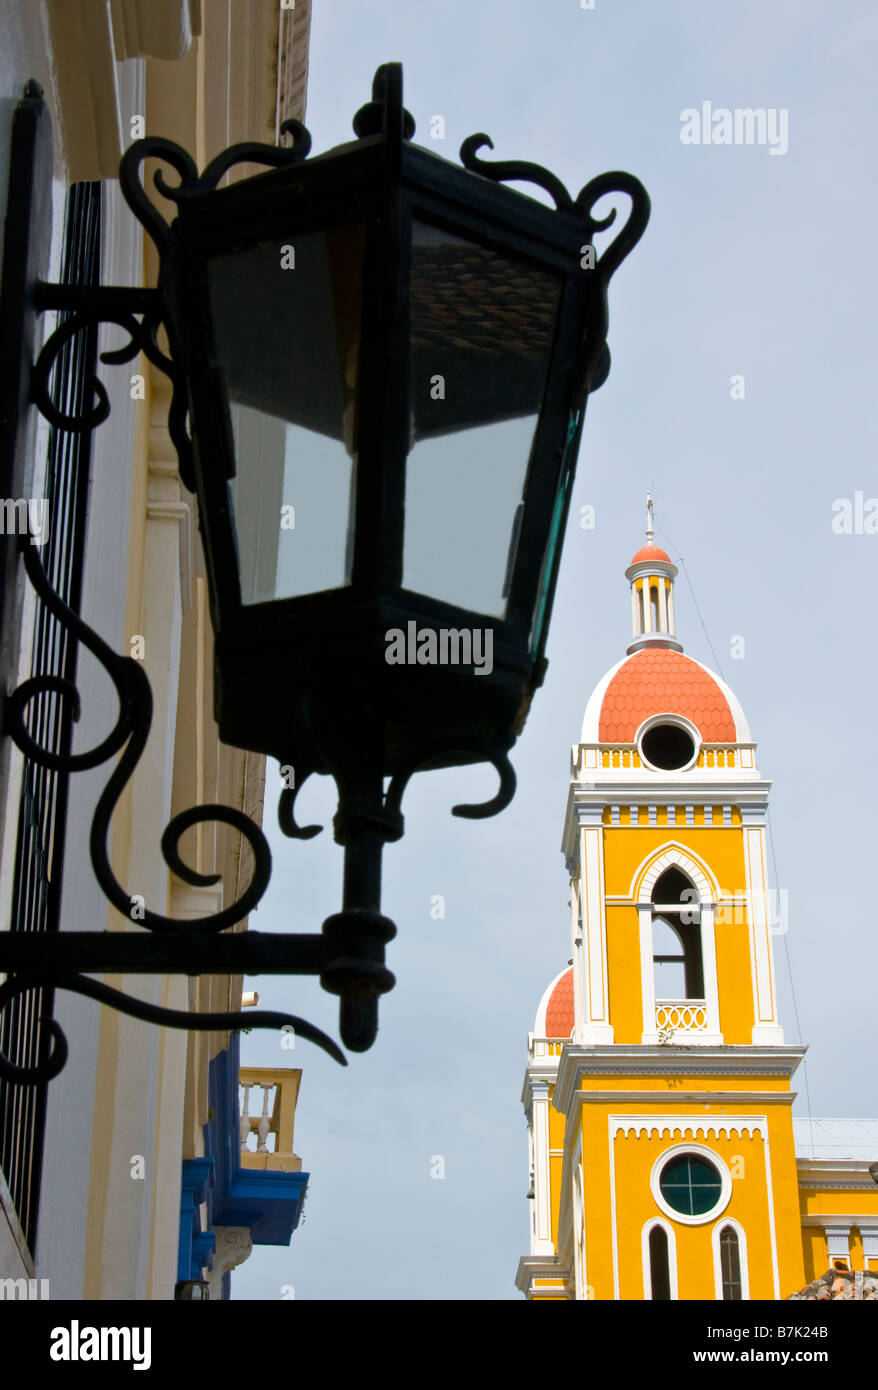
<point>673,854</point>
<point>834,1178</point>
<point>294,30</point>
<point>531,1267</point>
<point>685,1097</point>
<point>766,1028</point>
<point>86,82</point>
<point>154,28</point>
<point>165,500</point>
<point>719,1125</point>
<point>632,1059</point>
<point>233,1246</point>
<point>591,991</point>
<point>863,1221</point>
<point>541,1241</point>
<point>536,1076</point>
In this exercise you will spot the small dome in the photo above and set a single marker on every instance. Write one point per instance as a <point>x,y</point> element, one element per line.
<point>650,552</point>
<point>555,1015</point>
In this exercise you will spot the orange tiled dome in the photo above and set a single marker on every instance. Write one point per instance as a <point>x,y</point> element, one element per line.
<point>559,1009</point>
<point>650,552</point>
<point>658,681</point>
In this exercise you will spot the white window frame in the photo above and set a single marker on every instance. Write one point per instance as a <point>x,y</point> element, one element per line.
<point>672,1257</point>
<point>673,855</point>
<point>698,1151</point>
<point>738,1229</point>
<point>838,1244</point>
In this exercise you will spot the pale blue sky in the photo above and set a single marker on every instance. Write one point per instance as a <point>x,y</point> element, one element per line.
<point>753,264</point>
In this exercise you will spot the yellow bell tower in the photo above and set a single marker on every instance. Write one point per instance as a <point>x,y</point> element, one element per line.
<point>658,1084</point>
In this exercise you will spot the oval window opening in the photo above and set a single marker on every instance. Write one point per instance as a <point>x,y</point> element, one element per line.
<point>667,746</point>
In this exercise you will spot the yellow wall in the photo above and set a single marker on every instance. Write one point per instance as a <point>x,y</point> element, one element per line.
<point>815,1201</point>
<point>633,1158</point>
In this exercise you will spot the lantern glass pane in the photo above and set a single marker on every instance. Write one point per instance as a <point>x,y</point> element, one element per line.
<point>482,326</point>
<point>286,338</point>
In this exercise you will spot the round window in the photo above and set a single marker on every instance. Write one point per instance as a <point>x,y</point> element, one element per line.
<point>667,746</point>
<point>690,1185</point>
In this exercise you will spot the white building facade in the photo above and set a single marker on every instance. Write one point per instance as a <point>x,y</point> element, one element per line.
<point>93,1167</point>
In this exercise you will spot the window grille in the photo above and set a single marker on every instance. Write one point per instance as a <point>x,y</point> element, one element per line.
<point>730,1264</point>
<point>36,893</point>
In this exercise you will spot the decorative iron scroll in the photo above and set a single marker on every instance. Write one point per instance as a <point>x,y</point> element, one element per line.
<point>593,365</point>
<point>54,1062</point>
<point>130,735</point>
<point>191,182</point>
<point>520,171</point>
<point>140,313</point>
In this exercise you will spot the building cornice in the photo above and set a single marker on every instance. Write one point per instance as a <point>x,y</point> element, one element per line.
<point>154,28</point>
<point>538,1074</point>
<point>632,1059</point>
<point>532,1267</point>
<point>640,785</point>
<point>684,1098</point>
<point>836,1173</point>
<point>842,1218</point>
<point>587,800</point>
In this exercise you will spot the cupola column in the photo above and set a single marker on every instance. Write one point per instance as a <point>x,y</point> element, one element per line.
<point>651,576</point>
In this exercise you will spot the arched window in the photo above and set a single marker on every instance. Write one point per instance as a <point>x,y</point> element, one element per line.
<point>654,604</point>
<point>730,1263</point>
<point>677,959</point>
<point>659,1265</point>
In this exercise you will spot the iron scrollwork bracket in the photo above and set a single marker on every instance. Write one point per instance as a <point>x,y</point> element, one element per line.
<point>62,960</point>
<point>57,960</point>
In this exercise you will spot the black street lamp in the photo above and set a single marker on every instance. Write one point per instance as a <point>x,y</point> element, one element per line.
<point>381,362</point>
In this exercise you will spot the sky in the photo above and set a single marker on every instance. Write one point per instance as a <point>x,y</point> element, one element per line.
<point>757,265</point>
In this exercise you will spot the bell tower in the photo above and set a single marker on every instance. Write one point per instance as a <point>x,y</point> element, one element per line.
<point>658,1065</point>
<point>664,841</point>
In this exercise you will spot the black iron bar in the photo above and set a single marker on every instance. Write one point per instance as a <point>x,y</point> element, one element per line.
<point>176,953</point>
<point>130,299</point>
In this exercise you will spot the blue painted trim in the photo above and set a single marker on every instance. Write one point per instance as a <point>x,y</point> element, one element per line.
<point>197,1173</point>
<point>268,1203</point>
